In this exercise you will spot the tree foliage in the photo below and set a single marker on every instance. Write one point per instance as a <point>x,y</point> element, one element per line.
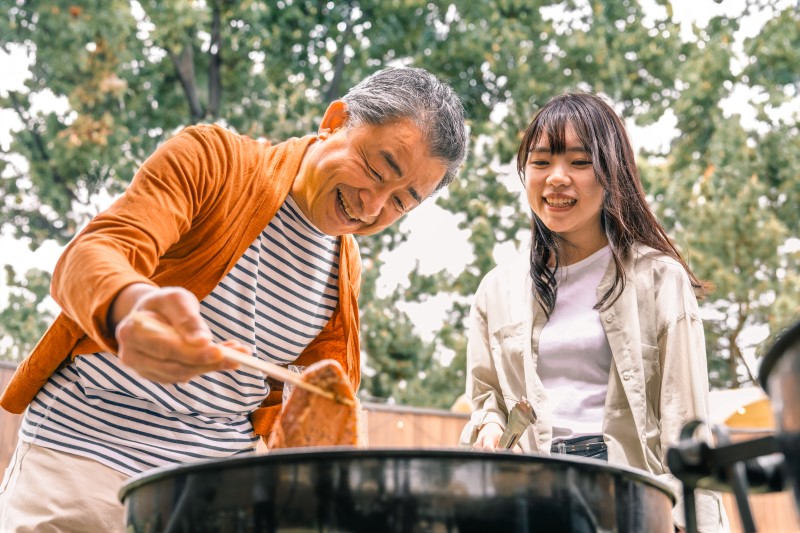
<point>133,72</point>
<point>24,317</point>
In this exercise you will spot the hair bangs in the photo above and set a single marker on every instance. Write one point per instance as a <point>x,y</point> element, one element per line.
<point>551,124</point>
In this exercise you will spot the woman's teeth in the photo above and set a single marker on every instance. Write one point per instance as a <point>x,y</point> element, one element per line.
<point>560,202</point>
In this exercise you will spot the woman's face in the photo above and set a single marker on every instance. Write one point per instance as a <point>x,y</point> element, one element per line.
<point>564,192</point>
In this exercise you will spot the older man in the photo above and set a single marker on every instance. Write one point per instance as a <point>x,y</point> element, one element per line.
<point>221,237</point>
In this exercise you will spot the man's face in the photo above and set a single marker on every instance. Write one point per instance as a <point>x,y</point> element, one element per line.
<point>361,180</point>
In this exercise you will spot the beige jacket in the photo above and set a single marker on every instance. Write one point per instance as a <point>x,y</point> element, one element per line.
<point>658,378</point>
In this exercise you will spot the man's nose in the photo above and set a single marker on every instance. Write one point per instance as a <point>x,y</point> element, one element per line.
<point>373,200</point>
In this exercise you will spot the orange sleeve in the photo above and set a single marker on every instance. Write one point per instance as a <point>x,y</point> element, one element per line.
<point>123,244</point>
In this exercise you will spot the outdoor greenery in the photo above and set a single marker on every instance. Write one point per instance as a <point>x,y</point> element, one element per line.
<point>134,72</point>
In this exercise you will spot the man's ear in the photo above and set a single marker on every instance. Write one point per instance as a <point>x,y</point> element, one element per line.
<point>335,116</point>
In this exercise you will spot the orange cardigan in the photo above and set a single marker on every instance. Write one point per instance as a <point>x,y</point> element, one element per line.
<point>189,214</point>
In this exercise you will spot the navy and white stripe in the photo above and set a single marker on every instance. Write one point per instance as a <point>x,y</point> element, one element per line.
<point>276,300</point>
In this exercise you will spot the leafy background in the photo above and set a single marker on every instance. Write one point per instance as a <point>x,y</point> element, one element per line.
<point>126,75</point>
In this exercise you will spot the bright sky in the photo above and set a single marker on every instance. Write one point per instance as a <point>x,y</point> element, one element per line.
<point>446,247</point>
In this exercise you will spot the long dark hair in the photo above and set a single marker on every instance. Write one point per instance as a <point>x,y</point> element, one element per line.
<point>625,217</point>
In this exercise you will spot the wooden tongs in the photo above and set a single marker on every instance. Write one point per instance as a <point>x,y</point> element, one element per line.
<point>270,369</point>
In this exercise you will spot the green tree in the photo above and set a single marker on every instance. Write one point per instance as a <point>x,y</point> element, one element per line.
<point>24,317</point>
<point>730,193</point>
<point>133,73</point>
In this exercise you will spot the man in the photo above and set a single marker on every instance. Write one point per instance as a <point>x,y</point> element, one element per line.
<point>223,238</point>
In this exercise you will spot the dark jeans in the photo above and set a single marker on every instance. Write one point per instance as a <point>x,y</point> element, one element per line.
<point>591,446</point>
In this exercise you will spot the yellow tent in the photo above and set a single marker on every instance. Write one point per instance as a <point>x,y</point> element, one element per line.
<point>745,408</point>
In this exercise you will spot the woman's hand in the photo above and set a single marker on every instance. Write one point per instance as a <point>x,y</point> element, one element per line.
<point>488,436</point>
<point>178,353</point>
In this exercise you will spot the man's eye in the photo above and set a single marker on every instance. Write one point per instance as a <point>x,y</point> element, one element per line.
<point>399,203</point>
<point>375,173</point>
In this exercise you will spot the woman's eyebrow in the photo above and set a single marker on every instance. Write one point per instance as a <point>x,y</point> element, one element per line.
<point>546,150</point>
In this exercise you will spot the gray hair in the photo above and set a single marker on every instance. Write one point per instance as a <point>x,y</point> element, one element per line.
<point>416,94</point>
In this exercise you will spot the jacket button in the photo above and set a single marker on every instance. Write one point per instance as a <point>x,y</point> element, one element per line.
<point>609,318</point>
<point>626,376</point>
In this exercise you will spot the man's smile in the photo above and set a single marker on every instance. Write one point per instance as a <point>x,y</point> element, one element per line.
<point>346,207</point>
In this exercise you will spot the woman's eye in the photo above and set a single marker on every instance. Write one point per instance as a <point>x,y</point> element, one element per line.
<point>582,163</point>
<point>539,163</point>
<point>399,203</point>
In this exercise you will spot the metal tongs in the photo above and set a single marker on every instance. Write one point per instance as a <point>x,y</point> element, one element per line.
<point>521,417</point>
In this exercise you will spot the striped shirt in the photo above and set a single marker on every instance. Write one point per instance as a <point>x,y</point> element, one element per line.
<point>276,300</point>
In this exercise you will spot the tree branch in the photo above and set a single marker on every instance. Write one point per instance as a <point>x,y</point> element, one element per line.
<point>736,353</point>
<point>38,145</point>
<point>184,65</point>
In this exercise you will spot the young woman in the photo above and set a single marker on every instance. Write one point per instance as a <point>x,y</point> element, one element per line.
<point>599,328</point>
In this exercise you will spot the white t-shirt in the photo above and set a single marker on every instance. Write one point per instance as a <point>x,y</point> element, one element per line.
<point>574,355</point>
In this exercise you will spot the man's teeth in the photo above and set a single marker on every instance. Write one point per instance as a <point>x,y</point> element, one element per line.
<point>344,207</point>
<point>560,202</point>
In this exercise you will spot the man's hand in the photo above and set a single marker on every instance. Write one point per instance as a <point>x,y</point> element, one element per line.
<point>164,356</point>
<point>488,436</point>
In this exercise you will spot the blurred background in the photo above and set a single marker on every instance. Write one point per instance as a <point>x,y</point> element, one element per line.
<point>709,90</point>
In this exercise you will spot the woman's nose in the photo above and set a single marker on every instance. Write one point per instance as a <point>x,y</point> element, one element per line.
<point>558,176</point>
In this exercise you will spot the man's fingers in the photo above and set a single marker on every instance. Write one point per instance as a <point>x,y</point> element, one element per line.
<point>171,360</point>
<point>236,345</point>
<point>193,329</point>
<point>165,339</point>
<point>173,372</point>
<point>180,309</point>
<point>154,341</point>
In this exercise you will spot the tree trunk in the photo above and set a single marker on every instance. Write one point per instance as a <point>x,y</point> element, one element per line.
<point>215,63</point>
<point>334,89</point>
<point>184,65</point>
